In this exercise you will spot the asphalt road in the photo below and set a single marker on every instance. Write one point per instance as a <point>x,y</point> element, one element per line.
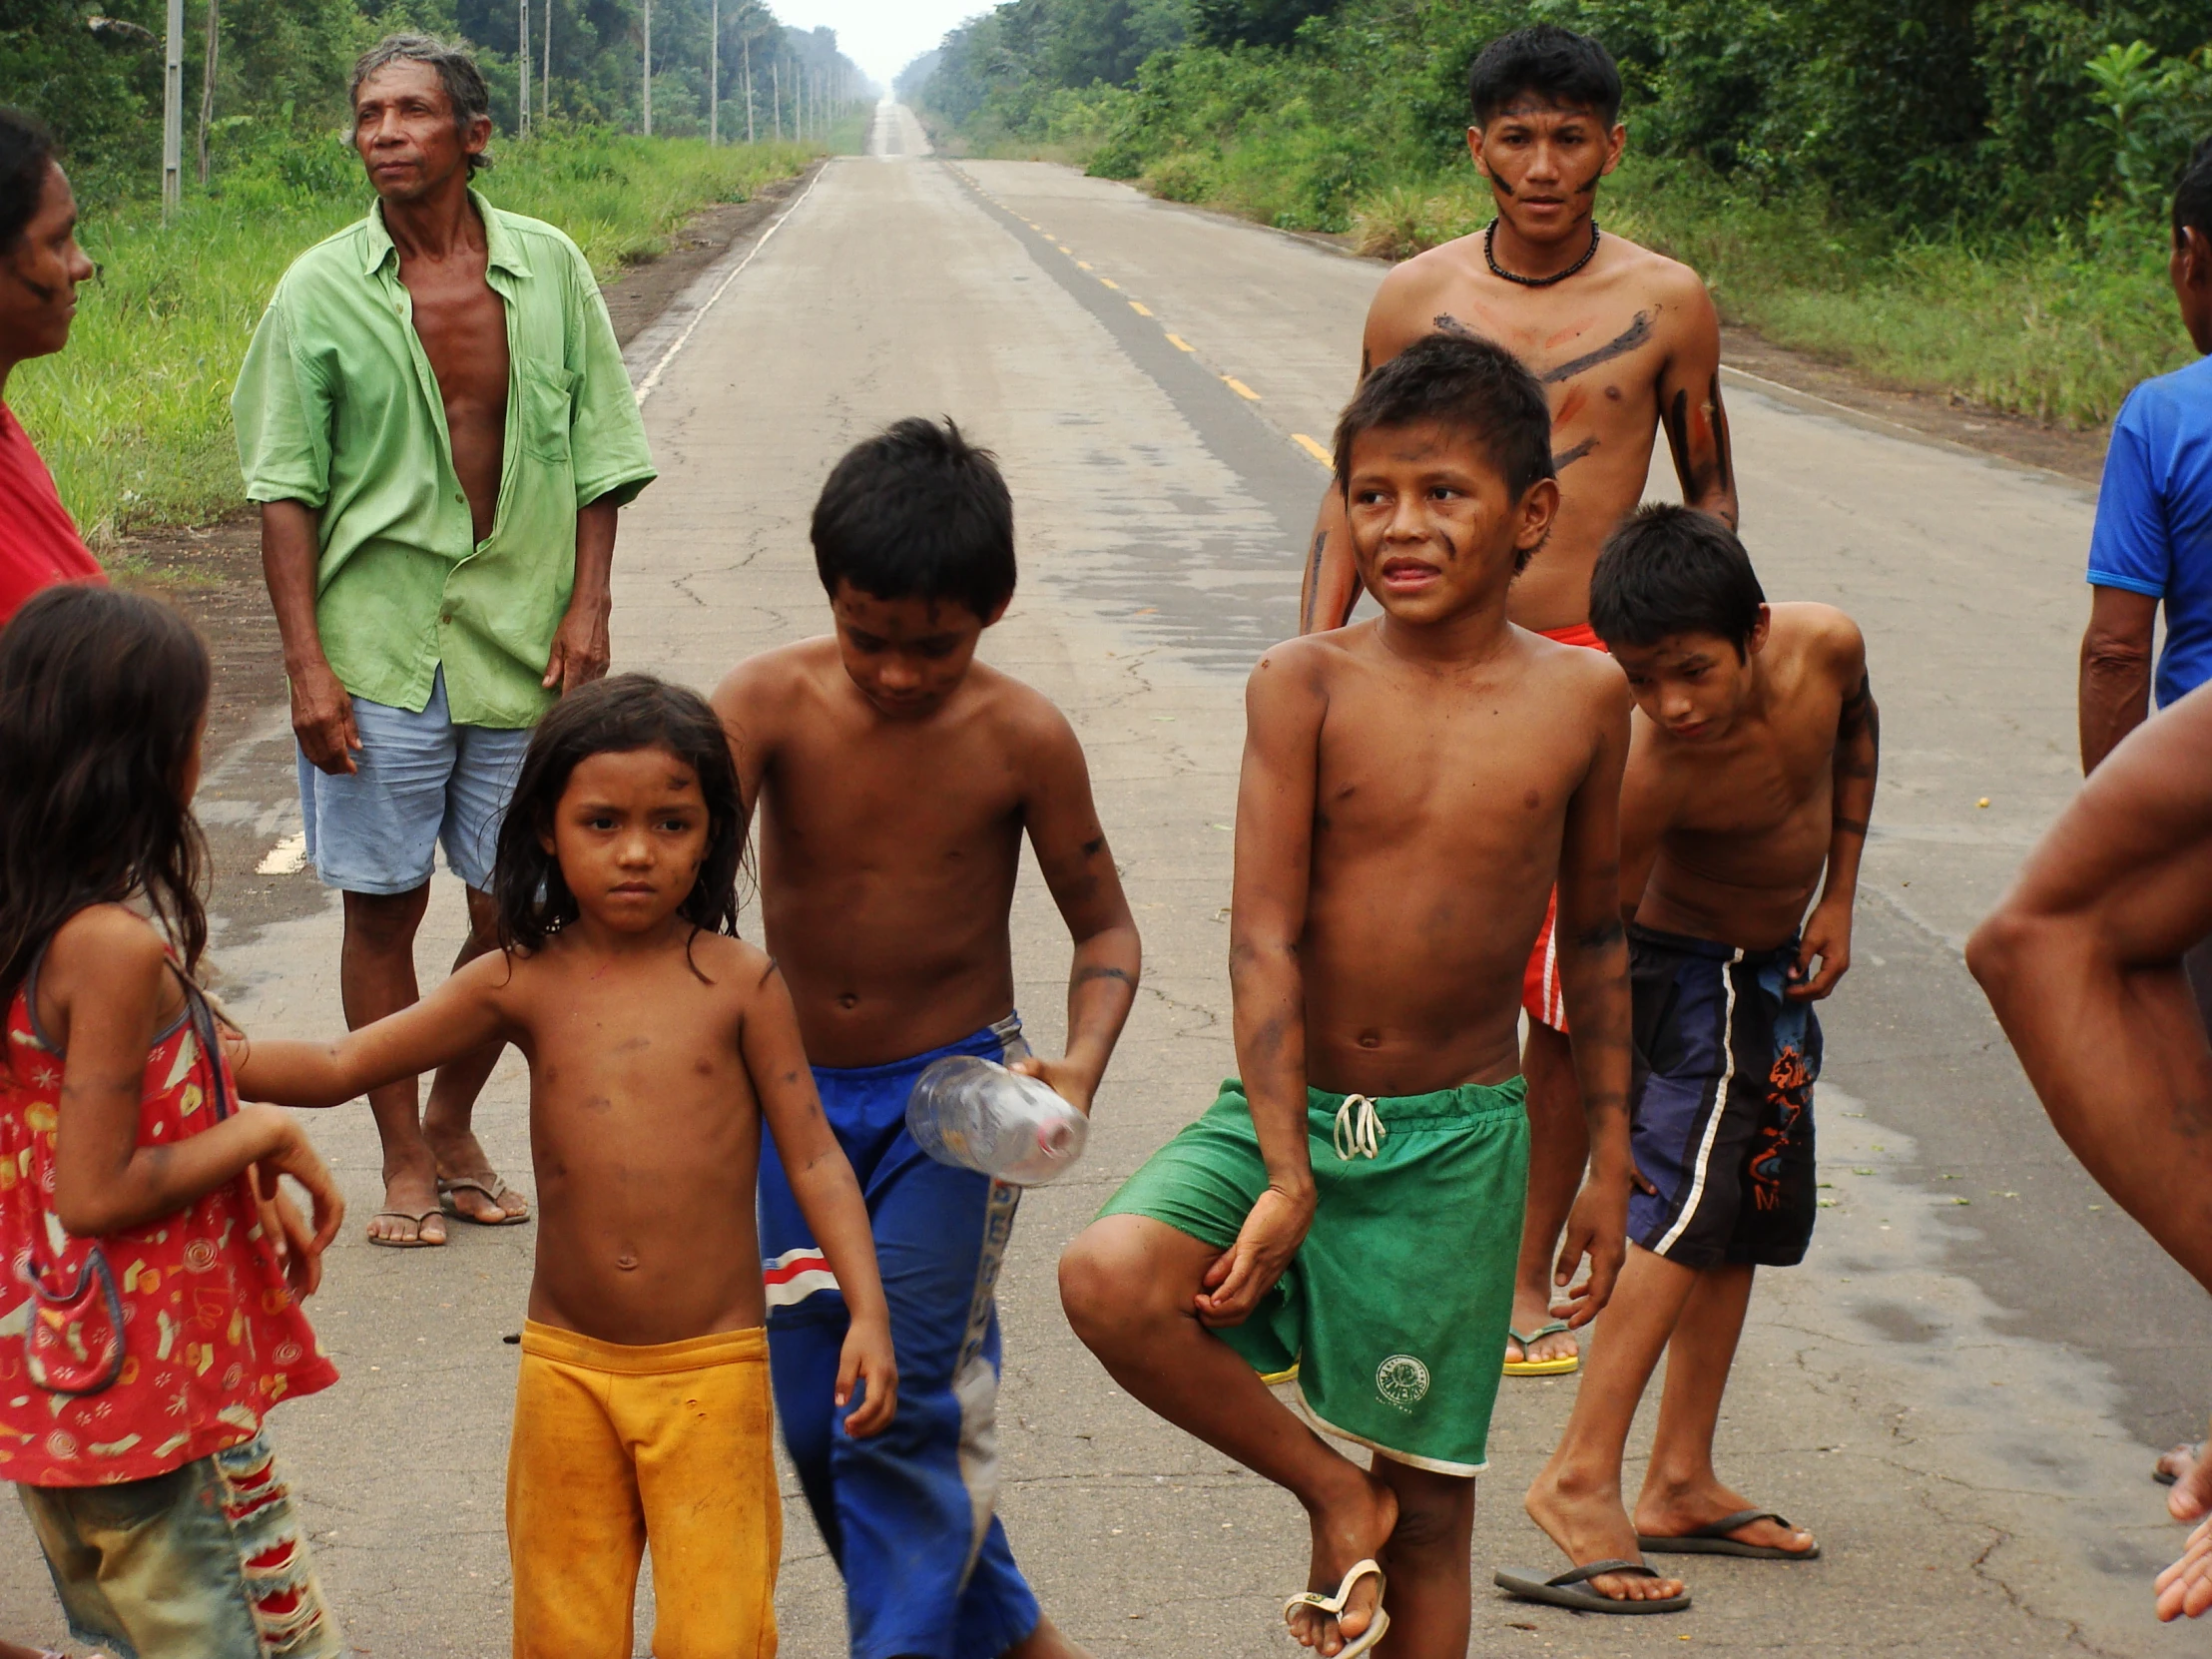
<point>1961,1389</point>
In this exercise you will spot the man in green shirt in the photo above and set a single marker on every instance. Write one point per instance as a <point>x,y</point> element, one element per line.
<point>435,420</point>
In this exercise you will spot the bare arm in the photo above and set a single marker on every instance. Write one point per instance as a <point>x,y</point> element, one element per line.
<point>2083,963</point>
<point>1690,407</point>
<point>458,1018</point>
<point>322,711</point>
<point>1644,812</point>
<point>103,982</point>
<point>1078,867</point>
<point>1857,760</point>
<point>581,648</point>
<point>2114,697</point>
<point>1331,587</point>
<point>741,708</point>
<point>828,1196</point>
<point>1593,974</point>
<point>1283,706</point>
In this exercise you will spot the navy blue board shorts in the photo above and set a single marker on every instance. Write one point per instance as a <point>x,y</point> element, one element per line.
<point>909,1514</point>
<point>1720,1106</point>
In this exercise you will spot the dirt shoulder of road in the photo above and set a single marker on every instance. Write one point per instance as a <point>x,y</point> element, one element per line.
<point>214,574</point>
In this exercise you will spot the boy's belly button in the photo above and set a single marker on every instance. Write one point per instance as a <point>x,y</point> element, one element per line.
<point>626,1261</point>
<point>1371,1039</point>
<point>849,1000</point>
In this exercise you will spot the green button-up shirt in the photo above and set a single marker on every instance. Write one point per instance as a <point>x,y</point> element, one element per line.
<point>336,407</point>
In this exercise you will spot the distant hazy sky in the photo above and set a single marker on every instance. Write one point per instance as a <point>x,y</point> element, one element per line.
<point>882,36</point>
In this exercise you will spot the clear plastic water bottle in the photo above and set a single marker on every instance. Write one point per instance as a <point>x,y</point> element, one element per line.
<point>975,1114</point>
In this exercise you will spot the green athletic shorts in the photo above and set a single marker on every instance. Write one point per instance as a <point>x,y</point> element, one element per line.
<point>1393,1314</point>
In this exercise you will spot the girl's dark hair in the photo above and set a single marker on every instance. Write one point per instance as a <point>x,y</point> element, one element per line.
<point>616,716</point>
<point>1674,570</point>
<point>101,699</point>
<point>918,512</point>
<point>26,152</point>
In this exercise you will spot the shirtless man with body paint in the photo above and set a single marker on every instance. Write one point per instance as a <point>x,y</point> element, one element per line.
<point>1624,341</point>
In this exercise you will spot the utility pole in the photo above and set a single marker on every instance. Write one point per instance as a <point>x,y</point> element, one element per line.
<point>173,113</point>
<point>207,85</point>
<point>545,104</point>
<point>648,68</point>
<point>749,88</point>
<point>714,75</point>
<point>522,67</point>
<point>776,98</point>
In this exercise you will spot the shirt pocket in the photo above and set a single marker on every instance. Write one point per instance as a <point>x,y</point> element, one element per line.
<point>547,407</point>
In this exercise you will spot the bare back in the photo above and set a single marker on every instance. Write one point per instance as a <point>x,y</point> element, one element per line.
<point>462,323</point>
<point>890,847</point>
<point>645,1129</point>
<point>1736,833</point>
<point>1442,800</point>
<point>1625,347</point>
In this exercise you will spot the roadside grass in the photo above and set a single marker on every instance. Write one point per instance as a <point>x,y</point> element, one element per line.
<point>134,417</point>
<point>2050,325</point>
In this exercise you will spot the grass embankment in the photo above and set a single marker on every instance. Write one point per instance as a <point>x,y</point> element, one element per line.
<point>134,417</point>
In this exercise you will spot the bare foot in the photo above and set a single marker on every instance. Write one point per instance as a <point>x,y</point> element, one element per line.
<point>460,1158</point>
<point>1044,1642</point>
<point>1345,1532</point>
<point>1590,1526</point>
<point>2186,1586</point>
<point>1560,1345</point>
<point>1674,1514</point>
<point>408,1195</point>
<point>2176,1461</point>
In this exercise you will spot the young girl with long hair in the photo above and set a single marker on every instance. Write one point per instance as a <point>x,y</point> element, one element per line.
<point>149,1269</point>
<point>660,1047</point>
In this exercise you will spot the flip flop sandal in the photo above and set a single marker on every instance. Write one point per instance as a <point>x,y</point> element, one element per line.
<point>1565,1365</point>
<point>1333,1606</point>
<point>2166,1477</point>
<point>418,1242</point>
<point>1713,1539</point>
<point>495,1190</point>
<point>1570,1590</point>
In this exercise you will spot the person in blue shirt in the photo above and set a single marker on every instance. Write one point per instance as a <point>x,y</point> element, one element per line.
<point>2153,539</point>
<point>2152,546</point>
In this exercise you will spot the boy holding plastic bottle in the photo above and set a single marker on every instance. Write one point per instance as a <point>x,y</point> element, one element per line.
<point>893,777</point>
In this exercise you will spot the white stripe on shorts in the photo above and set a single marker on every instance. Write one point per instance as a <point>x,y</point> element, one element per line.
<point>1720,1104</point>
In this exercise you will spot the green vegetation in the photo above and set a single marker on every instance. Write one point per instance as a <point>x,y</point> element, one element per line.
<point>1962,195</point>
<point>133,418</point>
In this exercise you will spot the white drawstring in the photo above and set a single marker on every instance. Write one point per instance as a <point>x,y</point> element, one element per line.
<point>1358,1131</point>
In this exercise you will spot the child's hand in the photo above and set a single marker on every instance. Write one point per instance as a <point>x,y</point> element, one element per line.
<point>867,1359</point>
<point>1826,940</point>
<point>294,1156</point>
<point>288,1231</point>
<point>1071,1083</point>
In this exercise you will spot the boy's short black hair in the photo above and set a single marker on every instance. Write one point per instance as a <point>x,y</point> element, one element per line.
<point>1460,382</point>
<point>2193,195</point>
<point>918,512</point>
<point>26,152</point>
<point>1564,69</point>
<point>1674,570</point>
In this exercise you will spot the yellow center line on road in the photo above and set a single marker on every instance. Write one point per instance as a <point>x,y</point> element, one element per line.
<point>1081,265</point>
<point>1142,309</point>
<point>1177,340</point>
<point>1110,283</point>
<point>1069,252</point>
<point>1314,449</point>
<point>1240,388</point>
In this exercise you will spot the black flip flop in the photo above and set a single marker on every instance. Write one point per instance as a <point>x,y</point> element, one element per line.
<point>1713,1539</point>
<point>1570,1590</point>
<point>2166,1477</point>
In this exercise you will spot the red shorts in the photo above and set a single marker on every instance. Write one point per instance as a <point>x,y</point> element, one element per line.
<point>1542,996</point>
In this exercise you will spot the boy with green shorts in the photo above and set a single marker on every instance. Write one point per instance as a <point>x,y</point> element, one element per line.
<point>1352,1208</point>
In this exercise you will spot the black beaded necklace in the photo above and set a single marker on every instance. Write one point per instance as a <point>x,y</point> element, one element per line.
<point>1489,243</point>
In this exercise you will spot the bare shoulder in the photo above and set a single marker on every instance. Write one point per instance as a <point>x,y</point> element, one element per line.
<point>108,941</point>
<point>1408,305</point>
<point>1823,638</point>
<point>1668,281</point>
<point>1019,719</point>
<point>736,967</point>
<point>1575,671</point>
<point>1302,668</point>
<point>769,678</point>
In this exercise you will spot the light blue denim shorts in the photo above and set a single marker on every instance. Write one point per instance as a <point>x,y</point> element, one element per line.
<point>423,782</point>
<point>208,1561</point>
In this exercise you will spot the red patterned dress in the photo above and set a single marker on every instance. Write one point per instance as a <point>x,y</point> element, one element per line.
<point>212,1334</point>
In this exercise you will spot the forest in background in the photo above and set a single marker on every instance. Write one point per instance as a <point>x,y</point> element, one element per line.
<point>134,417</point>
<point>1957,194</point>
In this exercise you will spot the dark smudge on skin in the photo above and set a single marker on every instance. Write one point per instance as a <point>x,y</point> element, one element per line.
<point>1635,334</point>
<point>1568,457</point>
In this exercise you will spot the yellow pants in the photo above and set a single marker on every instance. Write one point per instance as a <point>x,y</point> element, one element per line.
<point>613,1446</point>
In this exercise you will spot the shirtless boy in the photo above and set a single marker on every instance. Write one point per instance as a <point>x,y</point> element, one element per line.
<point>1750,780</point>
<point>894,777</point>
<point>1412,788</point>
<point>658,1048</point>
<point>1624,341</point>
